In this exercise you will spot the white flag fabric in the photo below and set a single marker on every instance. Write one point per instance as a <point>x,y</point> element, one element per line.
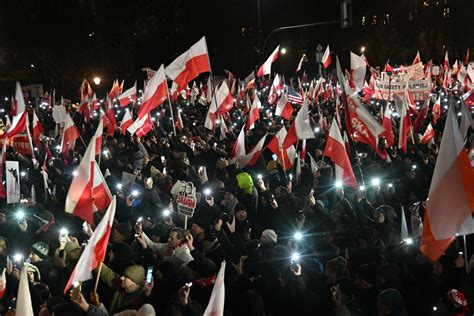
<point>23,299</point>
<point>216,302</point>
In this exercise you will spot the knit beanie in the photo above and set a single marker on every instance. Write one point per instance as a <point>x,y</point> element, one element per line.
<point>124,229</point>
<point>245,182</point>
<point>270,235</point>
<point>135,273</point>
<point>41,249</point>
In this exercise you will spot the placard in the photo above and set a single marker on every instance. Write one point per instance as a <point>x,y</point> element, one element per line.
<point>186,199</point>
<point>12,169</point>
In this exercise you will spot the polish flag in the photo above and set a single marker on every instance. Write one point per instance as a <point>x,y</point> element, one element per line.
<point>215,307</point>
<point>127,120</point>
<point>211,116</point>
<point>275,89</point>
<point>114,91</point>
<point>141,126</point>
<point>86,90</point>
<point>436,111</point>
<point>128,96</point>
<point>336,151</point>
<point>276,146</point>
<point>18,125</point>
<point>70,135</point>
<point>88,191</point>
<point>94,103</point>
<point>155,93</point>
<point>189,64</point>
<point>19,102</point>
<point>224,130</point>
<point>179,121</point>
<point>314,165</point>
<point>95,251</point>
<point>417,58</point>
<point>266,68</point>
<point>301,127</point>
<point>404,128</point>
<point>225,100</point>
<point>112,122</point>
<point>326,58</point>
<point>37,130</point>
<point>303,149</point>
<point>249,81</point>
<point>24,307</point>
<point>420,118</point>
<point>428,135</point>
<point>3,283</point>
<point>387,125</point>
<point>3,157</point>
<point>300,64</point>
<point>251,158</point>
<point>450,202</point>
<point>358,69</point>
<point>98,137</point>
<point>209,90</point>
<point>284,108</point>
<point>239,146</point>
<point>254,113</point>
<point>446,61</point>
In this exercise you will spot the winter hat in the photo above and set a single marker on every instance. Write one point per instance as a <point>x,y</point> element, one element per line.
<point>124,229</point>
<point>70,247</point>
<point>200,221</point>
<point>457,299</point>
<point>239,207</point>
<point>245,182</point>
<point>269,234</point>
<point>135,273</point>
<point>160,230</point>
<point>41,249</point>
<point>46,215</point>
<point>122,251</point>
<point>338,266</point>
<point>393,300</point>
<point>138,155</point>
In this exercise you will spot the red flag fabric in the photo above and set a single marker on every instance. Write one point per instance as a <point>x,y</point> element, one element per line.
<point>239,146</point>
<point>127,120</point>
<point>326,60</point>
<point>112,123</point>
<point>142,126</point>
<point>189,64</point>
<point>266,68</point>
<point>404,129</point>
<point>155,93</point>
<point>3,283</point>
<point>301,127</point>
<point>254,114</point>
<point>420,118</point>
<point>428,135</point>
<point>98,137</point>
<point>96,249</point>
<point>284,108</point>
<point>225,100</point>
<point>450,202</point>
<point>336,151</point>
<point>387,125</point>
<point>70,135</point>
<point>436,112</point>
<point>417,58</point>
<point>37,130</point>
<point>179,121</point>
<point>276,146</point>
<point>251,158</point>
<point>275,89</point>
<point>128,96</point>
<point>18,125</point>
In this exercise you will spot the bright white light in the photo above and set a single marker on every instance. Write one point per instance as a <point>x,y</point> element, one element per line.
<point>390,185</point>
<point>58,147</point>
<point>105,152</point>
<point>375,181</point>
<point>166,213</point>
<point>135,193</point>
<point>119,186</point>
<point>459,114</point>
<point>435,308</point>
<point>362,188</point>
<point>18,257</point>
<point>408,241</point>
<point>75,173</point>
<point>362,49</point>
<point>32,66</point>
<point>64,231</point>
<point>295,256</point>
<point>317,130</point>
<point>259,176</point>
<point>338,184</point>
<point>20,215</point>
<point>97,80</point>
<point>413,167</point>
<point>283,51</point>
<point>22,173</point>
<point>6,98</point>
<point>298,236</point>
<point>207,191</point>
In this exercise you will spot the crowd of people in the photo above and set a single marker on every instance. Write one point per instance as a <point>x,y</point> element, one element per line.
<point>292,245</point>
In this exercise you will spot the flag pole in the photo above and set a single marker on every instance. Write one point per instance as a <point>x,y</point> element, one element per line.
<point>283,159</point>
<point>466,262</point>
<point>185,222</point>
<point>97,278</point>
<point>171,108</point>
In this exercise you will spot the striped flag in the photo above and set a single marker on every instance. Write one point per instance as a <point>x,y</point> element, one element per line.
<point>294,96</point>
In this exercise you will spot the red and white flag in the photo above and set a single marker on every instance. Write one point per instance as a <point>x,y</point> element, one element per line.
<point>111,122</point>
<point>284,108</point>
<point>211,116</point>
<point>358,69</point>
<point>326,60</point>
<point>266,68</point>
<point>301,127</point>
<point>96,249</point>
<point>300,64</point>
<point>88,191</point>
<point>428,135</point>
<point>70,135</point>
<point>238,149</point>
<point>141,126</point>
<point>37,130</point>
<point>314,165</point>
<point>3,157</point>
<point>215,307</point>
<point>155,93</point>
<point>128,96</point>
<point>94,103</point>
<point>404,128</point>
<point>179,121</point>
<point>98,137</point>
<point>251,158</point>
<point>18,125</point>
<point>249,81</point>
<point>336,151</point>
<point>387,125</point>
<point>189,64</point>
<point>446,61</point>
<point>417,58</point>
<point>275,145</point>
<point>127,120</point>
<point>450,202</point>
<point>225,100</point>
<point>3,283</point>
<point>18,105</point>
<point>303,150</point>
<point>86,90</point>
<point>275,89</point>
<point>436,111</point>
<point>254,113</point>
<point>24,307</point>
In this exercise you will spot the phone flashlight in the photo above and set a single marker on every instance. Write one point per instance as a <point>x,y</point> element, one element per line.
<point>259,176</point>
<point>119,186</point>
<point>149,274</point>
<point>140,219</point>
<point>166,212</point>
<point>20,215</point>
<point>375,181</point>
<point>207,191</point>
<point>18,257</point>
<point>135,193</point>
<point>298,236</point>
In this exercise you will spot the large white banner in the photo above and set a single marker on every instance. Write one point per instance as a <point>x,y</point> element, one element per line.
<point>12,169</point>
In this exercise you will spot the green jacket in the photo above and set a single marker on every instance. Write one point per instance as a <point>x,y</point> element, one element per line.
<point>120,299</point>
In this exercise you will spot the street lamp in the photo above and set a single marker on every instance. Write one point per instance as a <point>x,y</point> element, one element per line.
<point>362,49</point>
<point>283,50</point>
<point>96,80</point>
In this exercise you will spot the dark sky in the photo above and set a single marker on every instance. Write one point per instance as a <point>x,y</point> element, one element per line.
<point>69,40</point>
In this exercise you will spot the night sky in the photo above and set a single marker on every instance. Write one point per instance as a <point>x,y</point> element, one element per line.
<point>66,41</point>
